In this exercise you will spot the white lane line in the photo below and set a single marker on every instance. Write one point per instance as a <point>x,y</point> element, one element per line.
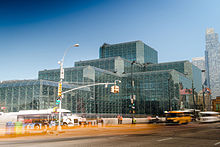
<point>217,143</point>
<point>165,139</point>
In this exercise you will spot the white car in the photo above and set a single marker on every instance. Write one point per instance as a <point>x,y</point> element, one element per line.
<point>209,116</point>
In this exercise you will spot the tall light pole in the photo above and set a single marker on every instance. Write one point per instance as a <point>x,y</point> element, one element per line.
<point>60,95</point>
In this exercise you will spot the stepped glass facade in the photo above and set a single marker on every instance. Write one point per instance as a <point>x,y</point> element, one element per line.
<point>156,87</point>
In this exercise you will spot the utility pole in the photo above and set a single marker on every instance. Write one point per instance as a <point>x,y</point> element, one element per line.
<point>132,90</point>
<point>194,103</point>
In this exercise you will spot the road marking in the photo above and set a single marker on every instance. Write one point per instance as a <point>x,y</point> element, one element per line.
<point>217,143</point>
<point>165,139</point>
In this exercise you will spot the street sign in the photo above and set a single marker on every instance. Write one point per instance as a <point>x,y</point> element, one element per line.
<point>62,73</point>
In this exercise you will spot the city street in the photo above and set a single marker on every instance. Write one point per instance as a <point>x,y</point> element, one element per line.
<point>193,134</point>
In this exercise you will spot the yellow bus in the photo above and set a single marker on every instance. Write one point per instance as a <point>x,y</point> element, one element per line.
<point>177,117</point>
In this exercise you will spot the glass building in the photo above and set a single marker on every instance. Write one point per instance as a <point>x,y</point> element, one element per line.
<point>104,101</point>
<point>212,62</point>
<point>200,63</point>
<point>41,94</point>
<point>132,51</point>
<point>114,64</point>
<point>185,67</point>
<point>155,87</point>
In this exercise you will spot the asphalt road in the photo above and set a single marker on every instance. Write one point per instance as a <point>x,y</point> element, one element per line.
<point>160,135</point>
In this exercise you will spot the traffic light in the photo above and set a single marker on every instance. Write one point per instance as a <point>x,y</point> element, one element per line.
<point>115,89</point>
<point>133,106</point>
<point>60,89</point>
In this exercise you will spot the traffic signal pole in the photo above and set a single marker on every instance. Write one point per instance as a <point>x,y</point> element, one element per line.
<point>116,90</point>
<point>95,84</point>
<point>60,94</point>
<point>61,82</point>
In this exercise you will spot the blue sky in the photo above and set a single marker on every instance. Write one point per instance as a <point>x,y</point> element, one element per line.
<point>35,33</point>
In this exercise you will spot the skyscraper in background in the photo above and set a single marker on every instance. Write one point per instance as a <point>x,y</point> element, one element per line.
<point>212,62</point>
<point>200,63</point>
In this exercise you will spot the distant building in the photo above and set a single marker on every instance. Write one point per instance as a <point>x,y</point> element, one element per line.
<point>200,63</point>
<point>212,62</point>
<point>216,104</point>
<point>203,101</point>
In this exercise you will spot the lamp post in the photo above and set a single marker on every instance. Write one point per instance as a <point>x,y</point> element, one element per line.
<point>61,82</point>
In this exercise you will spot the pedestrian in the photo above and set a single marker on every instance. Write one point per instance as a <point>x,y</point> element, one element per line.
<point>118,119</point>
<point>121,118</point>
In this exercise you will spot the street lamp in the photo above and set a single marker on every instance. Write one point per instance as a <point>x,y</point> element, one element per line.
<point>61,82</point>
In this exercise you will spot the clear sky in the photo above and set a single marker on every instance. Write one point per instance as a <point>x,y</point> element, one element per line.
<point>35,33</point>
